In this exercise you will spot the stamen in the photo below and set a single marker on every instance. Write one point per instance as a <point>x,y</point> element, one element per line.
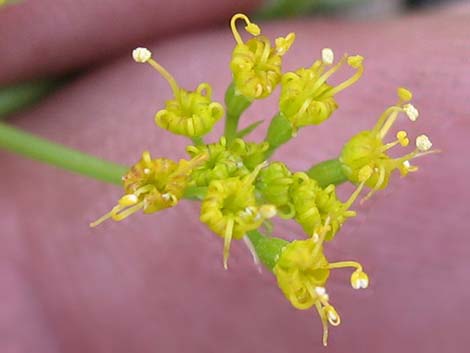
<point>404,95</point>
<point>252,250</point>
<point>423,143</point>
<point>345,264</point>
<point>380,181</point>
<point>333,317</point>
<point>327,56</point>
<point>359,279</point>
<point>128,200</point>
<point>141,55</point>
<point>166,75</point>
<point>102,219</point>
<point>227,240</point>
<point>386,120</point>
<point>322,230</point>
<point>121,214</point>
<point>364,174</point>
<point>411,112</point>
<point>284,44</point>
<point>250,27</point>
<point>402,137</point>
<point>356,63</point>
<point>324,322</point>
<point>325,77</point>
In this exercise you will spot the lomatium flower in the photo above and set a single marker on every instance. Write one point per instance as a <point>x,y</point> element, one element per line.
<point>191,114</point>
<point>302,271</point>
<point>224,161</point>
<point>313,204</point>
<point>273,184</point>
<point>256,65</point>
<point>367,148</point>
<point>152,185</point>
<point>230,209</point>
<point>307,98</point>
<point>220,164</point>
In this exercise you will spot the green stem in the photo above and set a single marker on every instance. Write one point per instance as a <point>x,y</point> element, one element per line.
<point>279,132</point>
<point>22,95</point>
<point>328,172</point>
<point>235,104</point>
<point>39,149</point>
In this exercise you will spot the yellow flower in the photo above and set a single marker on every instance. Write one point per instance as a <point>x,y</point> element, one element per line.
<point>273,184</point>
<point>151,186</point>
<point>221,163</point>
<point>255,64</point>
<point>191,114</point>
<point>230,208</point>
<point>302,271</point>
<point>307,98</point>
<point>313,205</point>
<point>224,161</point>
<point>367,148</point>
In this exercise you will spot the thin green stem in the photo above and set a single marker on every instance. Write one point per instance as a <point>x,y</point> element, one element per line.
<point>16,97</point>
<point>39,149</point>
<point>235,104</point>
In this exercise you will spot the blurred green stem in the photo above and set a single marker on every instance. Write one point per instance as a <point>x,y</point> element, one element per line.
<point>22,95</point>
<point>39,149</point>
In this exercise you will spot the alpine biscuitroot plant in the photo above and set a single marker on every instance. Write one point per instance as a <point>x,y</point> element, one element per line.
<point>241,188</point>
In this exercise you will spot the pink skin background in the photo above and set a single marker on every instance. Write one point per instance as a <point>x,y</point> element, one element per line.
<point>156,283</point>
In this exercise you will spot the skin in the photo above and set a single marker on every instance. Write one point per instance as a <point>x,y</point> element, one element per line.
<point>156,283</point>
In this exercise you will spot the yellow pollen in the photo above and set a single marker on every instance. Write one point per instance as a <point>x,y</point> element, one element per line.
<point>404,94</point>
<point>402,137</point>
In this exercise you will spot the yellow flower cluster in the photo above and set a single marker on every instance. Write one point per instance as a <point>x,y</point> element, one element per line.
<point>241,190</point>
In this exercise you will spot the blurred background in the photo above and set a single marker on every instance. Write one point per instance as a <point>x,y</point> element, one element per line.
<point>18,92</point>
<point>155,284</point>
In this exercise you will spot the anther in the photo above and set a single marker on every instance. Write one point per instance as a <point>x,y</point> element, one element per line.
<point>327,56</point>
<point>423,143</point>
<point>411,112</point>
<point>141,55</point>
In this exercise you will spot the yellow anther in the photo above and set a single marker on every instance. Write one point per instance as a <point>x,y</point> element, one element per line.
<point>250,27</point>
<point>355,61</point>
<point>402,137</point>
<point>359,279</point>
<point>332,315</point>
<point>404,94</point>
<point>253,29</point>
<point>283,44</point>
<point>146,158</point>
<point>423,143</point>
<point>128,200</point>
